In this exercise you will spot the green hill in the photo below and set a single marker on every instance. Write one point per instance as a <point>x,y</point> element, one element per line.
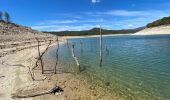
<point>95,31</point>
<point>163,21</point>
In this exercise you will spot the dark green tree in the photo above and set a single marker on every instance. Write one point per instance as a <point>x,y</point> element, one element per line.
<point>1,14</point>
<point>7,17</point>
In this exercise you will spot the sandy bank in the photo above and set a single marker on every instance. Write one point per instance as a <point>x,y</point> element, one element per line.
<point>155,31</point>
<point>14,67</point>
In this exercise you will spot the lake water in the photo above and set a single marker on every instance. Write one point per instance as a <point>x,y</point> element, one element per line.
<point>133,68</point>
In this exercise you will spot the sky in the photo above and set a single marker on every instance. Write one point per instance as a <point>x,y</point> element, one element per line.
<point>75,15</point>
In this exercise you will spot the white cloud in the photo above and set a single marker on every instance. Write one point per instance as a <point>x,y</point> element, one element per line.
<point>124,13</point>
<point>51,22</point>
<point>95,1</point>
<point>130,13</point>
<point>64,27</point>
<point>113,19</point>
<point>57,22</point>
<point>130,25</point>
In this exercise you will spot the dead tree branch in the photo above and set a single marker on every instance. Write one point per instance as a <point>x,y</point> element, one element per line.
<point>54,90</point>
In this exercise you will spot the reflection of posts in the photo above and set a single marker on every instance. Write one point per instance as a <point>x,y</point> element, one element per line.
<point>73,46</point>
<point>111,49</point>
<point>81,47</point>
<point>91,46</point>
<point>107,50</point>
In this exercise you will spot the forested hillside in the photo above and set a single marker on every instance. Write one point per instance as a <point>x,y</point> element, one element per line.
<point>163,21</point>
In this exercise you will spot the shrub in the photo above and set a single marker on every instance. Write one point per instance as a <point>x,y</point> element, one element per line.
<point>7,17</point>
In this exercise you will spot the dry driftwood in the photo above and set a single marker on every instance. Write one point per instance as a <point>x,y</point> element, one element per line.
<point>2,76</point>
<point>54,90</point>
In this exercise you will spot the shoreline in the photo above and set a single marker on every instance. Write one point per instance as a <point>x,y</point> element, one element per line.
<point>92,36</point>
<point>17,80</point>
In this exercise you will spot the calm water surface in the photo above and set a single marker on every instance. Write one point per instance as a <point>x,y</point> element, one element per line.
<point>134,67</point>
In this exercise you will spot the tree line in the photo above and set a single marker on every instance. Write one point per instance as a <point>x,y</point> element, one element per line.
<point>6,17</point>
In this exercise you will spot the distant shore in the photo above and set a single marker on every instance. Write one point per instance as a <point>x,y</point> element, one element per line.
<point>160,30</point>
<point>92,36</point>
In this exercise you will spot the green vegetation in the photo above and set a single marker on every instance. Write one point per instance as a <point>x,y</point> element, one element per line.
<point>163,21</point>
<point>1,14</point>
<point>7,17</point>
<point>94,31</point>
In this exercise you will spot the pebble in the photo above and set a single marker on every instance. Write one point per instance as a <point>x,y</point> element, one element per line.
<point>107,83</point>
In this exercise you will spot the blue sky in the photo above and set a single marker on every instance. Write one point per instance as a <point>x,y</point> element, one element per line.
<point>60,15</point>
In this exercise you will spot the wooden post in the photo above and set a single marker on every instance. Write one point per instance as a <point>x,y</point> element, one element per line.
<point>67,43</point>
<point>55,70</point>
<point>75,58</point>
<point>91,47</point>
<point>40,57</point>
<point>73,51</point>
<point>107,50</point>
<point>101,47</point>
